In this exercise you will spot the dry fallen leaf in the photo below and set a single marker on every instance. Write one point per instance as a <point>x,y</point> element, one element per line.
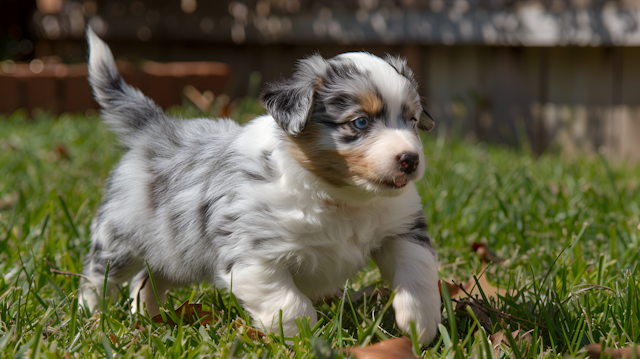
<point>485,253</point>
<point>251,332</point>
<point>470,286</point>
<point>526,336</point>
<point>595,352</point>
<point>60,151</point>
<point>479,311</point>
<point>398,348</point>
<point>501,338</point>
<point>113,338</point>
<point>496,339</point>
<point>190,314</point>
<point>453,289</point>
<point>139,327</point>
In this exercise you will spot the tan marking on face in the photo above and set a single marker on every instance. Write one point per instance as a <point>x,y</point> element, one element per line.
<point>333,165</point>
<point>370,103</point>
<point>360,162</point>
<point>307,149</point>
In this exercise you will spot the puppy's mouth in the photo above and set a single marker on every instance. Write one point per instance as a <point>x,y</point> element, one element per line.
<point>398,181</point>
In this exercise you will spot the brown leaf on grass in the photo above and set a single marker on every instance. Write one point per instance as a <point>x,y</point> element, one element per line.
<point>470,286</point>
<point>398,348</point>
<point>478,310</point>
<point>158,319</point>
<point>60,151</point>
<point>503,337</point>
<point>525,337</point>
<point>113,338</point>
<point>453,289</point>
<point>595,352</point>
<point>190,314</point>
<point>139,327</point>
<point>495,339</point>
<point>500,338</point>
<point>485,253</point>
<point>252,333</point>
<point>67,355</point>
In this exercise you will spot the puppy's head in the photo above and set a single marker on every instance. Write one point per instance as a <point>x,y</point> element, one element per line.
<point>353,121</point>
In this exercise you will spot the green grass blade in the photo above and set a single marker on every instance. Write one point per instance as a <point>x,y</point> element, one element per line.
<point>451,315</point>
<point>155,292</point>
<point>67,214</point>
<point>73,320</point>
<point>281,330</point>
<point>414,338</point>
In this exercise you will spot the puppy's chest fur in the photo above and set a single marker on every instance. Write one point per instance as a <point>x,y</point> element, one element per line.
<point>335,242</point>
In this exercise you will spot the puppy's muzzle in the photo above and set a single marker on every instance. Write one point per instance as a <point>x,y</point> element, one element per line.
<point>408,162</point>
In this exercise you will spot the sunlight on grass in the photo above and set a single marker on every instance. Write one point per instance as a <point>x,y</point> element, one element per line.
<point>568,230</point>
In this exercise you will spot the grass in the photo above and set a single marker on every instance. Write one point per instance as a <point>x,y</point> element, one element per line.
<point>569,232</point>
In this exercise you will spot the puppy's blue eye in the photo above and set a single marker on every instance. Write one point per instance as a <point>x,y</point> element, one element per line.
<point>361,123</point>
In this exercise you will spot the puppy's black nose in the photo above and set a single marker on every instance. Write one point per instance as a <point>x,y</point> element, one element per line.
<point>408,162</point>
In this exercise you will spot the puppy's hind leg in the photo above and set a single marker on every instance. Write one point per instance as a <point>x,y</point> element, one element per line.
<point>142,291</point>
<point>121,267</point>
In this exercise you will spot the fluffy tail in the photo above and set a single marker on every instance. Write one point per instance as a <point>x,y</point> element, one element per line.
<point>124,108</point>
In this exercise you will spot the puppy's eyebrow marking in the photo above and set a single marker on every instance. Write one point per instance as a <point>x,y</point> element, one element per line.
<point>407,111</point>
<point>342,101</point>
<point>370,102</point>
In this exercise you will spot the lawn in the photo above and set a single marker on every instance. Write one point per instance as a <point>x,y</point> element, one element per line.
<point>568,231</point>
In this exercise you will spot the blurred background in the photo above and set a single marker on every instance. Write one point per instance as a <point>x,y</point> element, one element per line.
<point>551,75</point>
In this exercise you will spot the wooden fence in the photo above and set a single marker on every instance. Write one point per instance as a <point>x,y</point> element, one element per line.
<point>580,98</point>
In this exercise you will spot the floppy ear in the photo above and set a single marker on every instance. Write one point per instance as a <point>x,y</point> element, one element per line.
<point>290,102</point>
<point>426,122</point>
<point>400,65</point>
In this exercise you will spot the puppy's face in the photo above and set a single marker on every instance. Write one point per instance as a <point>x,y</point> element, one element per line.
<point>353,121</point>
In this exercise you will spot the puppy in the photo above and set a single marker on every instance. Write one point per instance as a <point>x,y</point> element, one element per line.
<point>282,210</point>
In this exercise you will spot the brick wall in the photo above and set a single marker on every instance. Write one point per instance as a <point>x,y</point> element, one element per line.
<point>64,88</point>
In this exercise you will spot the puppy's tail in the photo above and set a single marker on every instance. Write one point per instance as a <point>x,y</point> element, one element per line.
<point>124,108</point>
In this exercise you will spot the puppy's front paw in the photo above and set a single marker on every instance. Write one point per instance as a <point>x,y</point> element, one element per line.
<point>423,309</point>
<point>269,320</point>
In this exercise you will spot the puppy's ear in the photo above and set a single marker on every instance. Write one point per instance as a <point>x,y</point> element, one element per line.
<point>426,122</point>
<point>290,102</point>
<point>400,65</point>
